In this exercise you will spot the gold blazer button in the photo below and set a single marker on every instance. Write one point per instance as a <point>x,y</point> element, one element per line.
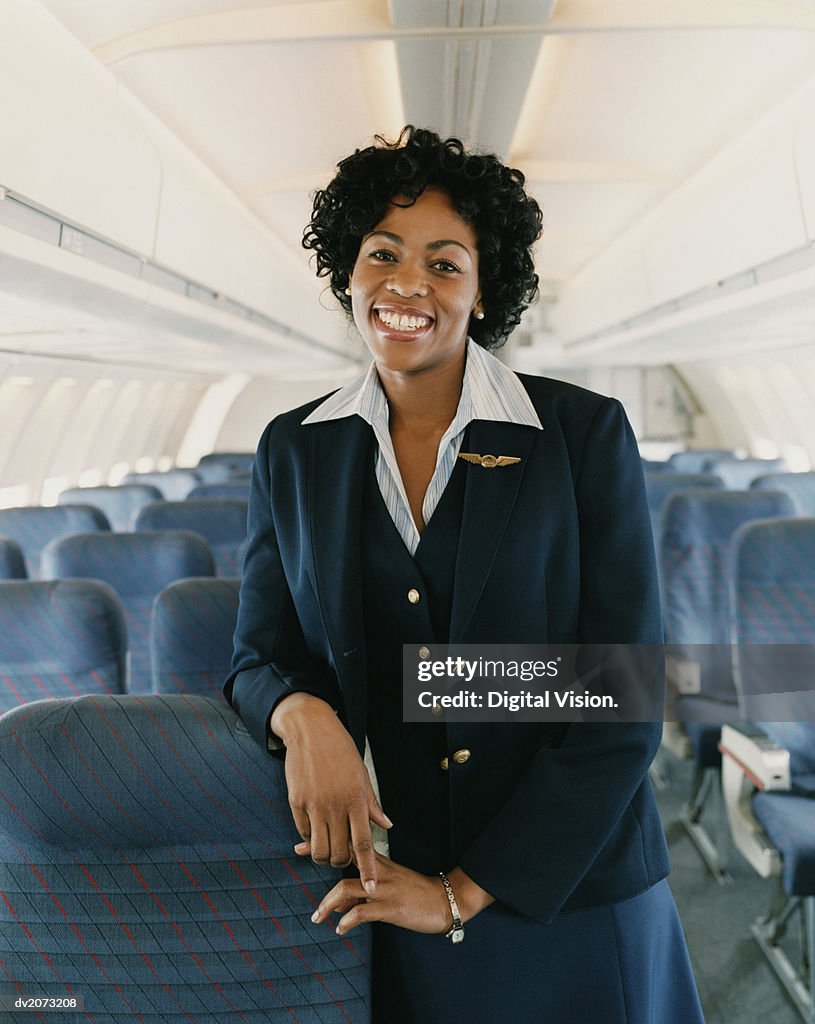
<point>462,756</point>
<point>445,764</point>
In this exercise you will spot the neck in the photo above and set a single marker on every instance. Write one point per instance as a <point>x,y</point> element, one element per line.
<point>426,400</point>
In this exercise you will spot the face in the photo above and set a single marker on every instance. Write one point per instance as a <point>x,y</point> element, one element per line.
<point>414,285</point>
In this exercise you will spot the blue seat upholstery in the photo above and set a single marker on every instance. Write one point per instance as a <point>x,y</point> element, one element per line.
<point>118,503</point>
<point>220,521</point>
<point>738,474</point>
<point>59,639</point>
<point>655,466</point>
<point>191,636</point>
<point>219,466</point>
<point>697,528</point>
<point>694,460</point>
<point>147,866</point>
<point>12,562</point>
<point>137,566</point>
<point>228,489</point>
<point>34,527</point>
<point>660,486</point>
<point>174,484</point>
<point>799,486</point>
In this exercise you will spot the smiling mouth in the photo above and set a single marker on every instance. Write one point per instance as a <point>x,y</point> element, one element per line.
<point>402,321</point>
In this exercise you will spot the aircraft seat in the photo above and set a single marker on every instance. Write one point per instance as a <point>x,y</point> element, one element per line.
<point>35,526</point>
<point>697,528</point>
<point>147,864</point>
<point>228,489</point>
<point>799,486</point>
<point>119,504</point>
<point>138,566</point>
<point>12,562</point>
<point>191,635</point>
<point>660,486</point>
<point>219,466</point>
<point>769,765</point>
<point>738,474</point>
<point>174,484</point>
<point>58,639</point>
<point>220,521</point>
<point>694,460</point>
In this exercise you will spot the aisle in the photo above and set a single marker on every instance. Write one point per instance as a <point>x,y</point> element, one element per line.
<point>735,982</point>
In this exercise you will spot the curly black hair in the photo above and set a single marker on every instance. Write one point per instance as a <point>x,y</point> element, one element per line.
<point>485,193</point>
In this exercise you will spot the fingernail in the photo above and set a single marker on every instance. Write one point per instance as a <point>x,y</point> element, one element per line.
<point>314,916</point>
<point>370,887</point>
<point>338,930</point>
<point>390,823</point>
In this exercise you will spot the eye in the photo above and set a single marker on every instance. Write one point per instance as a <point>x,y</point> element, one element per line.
<point>447,266</point>
<point>382,255</point>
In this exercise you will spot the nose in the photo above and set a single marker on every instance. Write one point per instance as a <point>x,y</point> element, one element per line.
<point>407,280</point>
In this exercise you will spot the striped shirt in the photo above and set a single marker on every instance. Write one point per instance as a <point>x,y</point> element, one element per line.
<point>489,391</point>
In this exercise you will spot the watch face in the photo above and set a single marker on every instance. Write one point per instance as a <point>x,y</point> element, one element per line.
<point>457,935</point>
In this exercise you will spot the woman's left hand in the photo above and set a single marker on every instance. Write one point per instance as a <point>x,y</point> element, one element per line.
<point>403,897</point>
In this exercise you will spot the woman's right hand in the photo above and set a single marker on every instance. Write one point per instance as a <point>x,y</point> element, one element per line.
<point>330,793</point>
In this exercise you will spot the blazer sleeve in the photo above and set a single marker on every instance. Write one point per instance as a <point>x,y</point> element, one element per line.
<point>570,799</point>
<point>270,657</point>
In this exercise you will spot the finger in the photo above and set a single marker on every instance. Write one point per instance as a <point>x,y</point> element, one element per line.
<point>320,844</point>
<point>362,849</point>
<point>340,849</point>
<point>358,915</point>
<point>375,812</point>
<point>303,849</point>
<point>301,823</point>
<point>345,893</point>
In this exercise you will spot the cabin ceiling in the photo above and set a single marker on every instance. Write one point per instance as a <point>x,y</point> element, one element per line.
<point>607,105</point>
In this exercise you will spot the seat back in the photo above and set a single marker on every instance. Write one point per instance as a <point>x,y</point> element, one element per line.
<point>799,486</point>
<point>219,466</point>
<point>231,488</point>
<point>738,474</point>
<point>118,503</point>
<point>660,486</point>
<point>138,566</point>
<point>694,460</point>
<point>12,562</point>
<point>59,639</point>
<point>147,866</point>
<point>773,632</point>
<point>697,528</point>
<point>220,521</point>
<point>191,636</point>
<point>36,526</point>
<point>174,484</point>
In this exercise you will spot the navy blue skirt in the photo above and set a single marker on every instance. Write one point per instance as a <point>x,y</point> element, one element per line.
<point>625,963</point>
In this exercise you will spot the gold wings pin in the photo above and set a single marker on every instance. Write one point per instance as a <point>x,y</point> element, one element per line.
<point>489,461</point>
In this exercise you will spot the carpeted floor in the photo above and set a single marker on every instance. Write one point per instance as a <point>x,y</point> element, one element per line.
<point>736,984</point>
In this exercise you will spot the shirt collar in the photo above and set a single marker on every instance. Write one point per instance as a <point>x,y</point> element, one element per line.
<point>490,391</point>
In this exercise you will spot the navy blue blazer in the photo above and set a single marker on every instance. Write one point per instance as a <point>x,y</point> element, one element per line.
<point>557,550</point>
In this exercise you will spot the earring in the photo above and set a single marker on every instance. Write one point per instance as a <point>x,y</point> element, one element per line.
<point>479,315</point>
<point>347,291</point>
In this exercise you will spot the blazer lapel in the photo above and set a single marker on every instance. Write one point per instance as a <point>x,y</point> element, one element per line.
<point>338,453</point>
<point>489,497</point>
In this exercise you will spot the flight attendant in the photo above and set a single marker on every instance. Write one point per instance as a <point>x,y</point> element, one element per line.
<point>525,879</point>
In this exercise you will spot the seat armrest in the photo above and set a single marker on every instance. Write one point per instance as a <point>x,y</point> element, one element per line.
<point>764,763</point>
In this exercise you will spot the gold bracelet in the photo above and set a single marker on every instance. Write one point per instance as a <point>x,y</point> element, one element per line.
<point>456,933</point>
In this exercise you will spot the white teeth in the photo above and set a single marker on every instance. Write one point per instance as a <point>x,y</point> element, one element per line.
<point>403,322</point>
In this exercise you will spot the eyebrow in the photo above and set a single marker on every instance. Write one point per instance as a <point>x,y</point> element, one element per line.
<point>432,246</point>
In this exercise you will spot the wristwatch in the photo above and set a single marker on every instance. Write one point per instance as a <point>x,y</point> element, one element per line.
<point>456,933</point>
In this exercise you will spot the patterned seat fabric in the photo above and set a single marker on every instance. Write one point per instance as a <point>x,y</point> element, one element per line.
<point>58,639</point>
<point>738,474</point>
<point>12,562</point>
<point>774,626</point>
<point>35,527</point>
<point>138,566</point>
<point>173,485</point>
<point>119,504</point>
<point>191,636</point>
<point>799,486</point>
<point>147,866</point>
<point>660,486</point>
<point>697,528</point>
<point>220,521</point>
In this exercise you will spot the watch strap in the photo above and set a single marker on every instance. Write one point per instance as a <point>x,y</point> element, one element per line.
<point>456,933</point>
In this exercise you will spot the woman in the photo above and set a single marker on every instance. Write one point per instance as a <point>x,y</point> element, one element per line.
<point>540,843</point>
